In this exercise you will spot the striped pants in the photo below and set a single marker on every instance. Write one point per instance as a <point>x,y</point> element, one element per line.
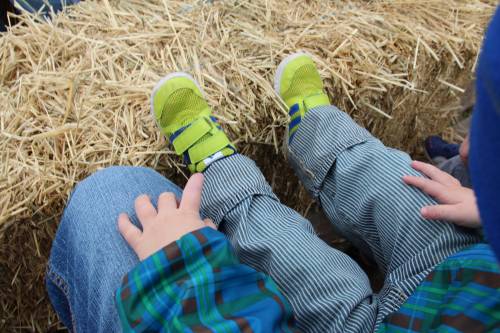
<point>357,181</point>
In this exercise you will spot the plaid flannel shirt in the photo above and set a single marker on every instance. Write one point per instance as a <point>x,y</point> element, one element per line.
<point>197,285</point>
<point>462,294</point>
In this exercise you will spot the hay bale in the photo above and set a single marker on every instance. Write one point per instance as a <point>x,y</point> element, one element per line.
<point>74,94</point>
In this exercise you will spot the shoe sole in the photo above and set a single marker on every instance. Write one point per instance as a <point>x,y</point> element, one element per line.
<point>281,69</point>
<point>162,82</point>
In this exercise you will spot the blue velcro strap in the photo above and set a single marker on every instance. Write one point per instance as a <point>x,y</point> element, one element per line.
<point>294,122</point>
<point>294,109</point>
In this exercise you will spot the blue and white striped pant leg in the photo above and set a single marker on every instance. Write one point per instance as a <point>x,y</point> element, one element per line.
<point>328,291</point>
<point>358,182</point>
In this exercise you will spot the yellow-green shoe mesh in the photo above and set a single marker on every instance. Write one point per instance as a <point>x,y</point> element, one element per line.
<point>182,107</point>
<point>185,118</point>
<point>305,81</point>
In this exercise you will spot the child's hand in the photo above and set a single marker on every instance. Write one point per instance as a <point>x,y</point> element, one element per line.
<point>457,203</point>
<point>170,223</point>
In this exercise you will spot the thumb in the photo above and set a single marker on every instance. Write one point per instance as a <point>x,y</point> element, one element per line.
<point>209,223</point>
<point>442,212</point>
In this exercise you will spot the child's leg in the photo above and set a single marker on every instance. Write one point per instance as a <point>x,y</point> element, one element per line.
<point>358,182</point>
<point>89,257</point>
<point>458,169</point>
<point>327,289</point>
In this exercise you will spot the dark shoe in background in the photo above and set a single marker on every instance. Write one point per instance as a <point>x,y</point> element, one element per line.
<point>33,6</point>
<point>438,150</point>
<point>5,8</point>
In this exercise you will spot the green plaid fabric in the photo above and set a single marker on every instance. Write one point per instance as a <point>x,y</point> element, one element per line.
<point>462,294</point>
<point>197,285</point>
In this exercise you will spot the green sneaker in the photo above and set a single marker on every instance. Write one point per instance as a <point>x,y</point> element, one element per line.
<point>298,83</point>
<point>184,116</point>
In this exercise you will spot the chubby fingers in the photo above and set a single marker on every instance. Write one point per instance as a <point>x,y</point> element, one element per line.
<point>167,201</point>
<point>431,187</point>
<point>191,197</point>
<point>434,173</point>
<point>451,213</point>
<point>144,209</point>
<point>129,231</point>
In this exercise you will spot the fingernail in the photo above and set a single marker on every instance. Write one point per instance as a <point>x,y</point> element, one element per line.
<point>424,211</point>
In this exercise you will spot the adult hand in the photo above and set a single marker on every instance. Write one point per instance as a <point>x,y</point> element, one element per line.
<point>168,224</point>
<point>457,204</point>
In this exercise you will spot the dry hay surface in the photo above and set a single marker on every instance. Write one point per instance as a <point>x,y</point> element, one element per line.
<point>74,95</point>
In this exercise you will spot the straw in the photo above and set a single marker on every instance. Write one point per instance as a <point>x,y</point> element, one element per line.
<point>74,93</point>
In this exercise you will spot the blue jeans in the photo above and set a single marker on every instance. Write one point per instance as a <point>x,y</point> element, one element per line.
<point>357,181</point>
<point>89,257</point>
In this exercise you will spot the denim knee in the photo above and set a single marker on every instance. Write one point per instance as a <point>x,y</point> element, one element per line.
<point>88,246</point>
<point>124,177</point>
<point>115,188</point>
<point>109,175</point>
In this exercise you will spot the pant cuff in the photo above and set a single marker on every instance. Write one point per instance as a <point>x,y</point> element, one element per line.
<point>228,182</point>
<point>323,134</point>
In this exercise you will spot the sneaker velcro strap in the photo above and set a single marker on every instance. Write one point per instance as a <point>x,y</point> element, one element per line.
<point>208,147</point>
<point>200,167</point>
<point>192,134</point>
<point>316,100</point>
